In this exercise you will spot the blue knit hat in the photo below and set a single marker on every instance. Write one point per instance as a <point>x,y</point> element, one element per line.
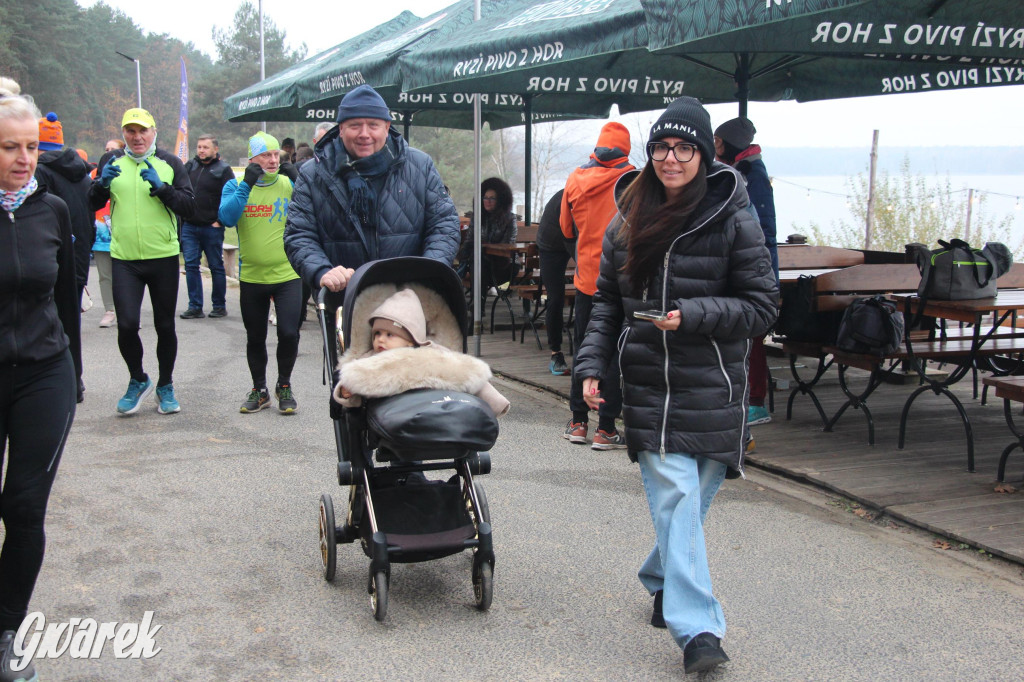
<point>262,142</point>
<point>363,102</point>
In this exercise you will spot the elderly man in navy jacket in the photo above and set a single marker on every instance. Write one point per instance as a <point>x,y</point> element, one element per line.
<point>366,195</point>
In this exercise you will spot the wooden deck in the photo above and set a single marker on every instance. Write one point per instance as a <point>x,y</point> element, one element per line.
<point>925,485</point>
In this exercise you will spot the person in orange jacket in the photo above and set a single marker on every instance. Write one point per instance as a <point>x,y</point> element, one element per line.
<point>588,205</point>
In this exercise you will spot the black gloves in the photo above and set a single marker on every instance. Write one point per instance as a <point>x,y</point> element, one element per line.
<point>252,174</point>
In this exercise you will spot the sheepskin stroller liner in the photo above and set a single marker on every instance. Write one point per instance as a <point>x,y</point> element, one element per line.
<point>385,445</point>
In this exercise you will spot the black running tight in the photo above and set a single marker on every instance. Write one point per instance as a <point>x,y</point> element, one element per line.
<point>254,302</point>
<point>130,279</point>
<point>37,406</point>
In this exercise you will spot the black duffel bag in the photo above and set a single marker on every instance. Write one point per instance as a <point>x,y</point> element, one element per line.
<point>871,326</point>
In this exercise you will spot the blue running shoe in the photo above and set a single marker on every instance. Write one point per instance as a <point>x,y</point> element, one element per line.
<point>557,365</point>
<point>166,402</point>
<point>758,414</point>
<point>137,390</point>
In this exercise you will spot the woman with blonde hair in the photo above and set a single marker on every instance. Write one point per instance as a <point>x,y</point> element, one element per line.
<point>39,328</point>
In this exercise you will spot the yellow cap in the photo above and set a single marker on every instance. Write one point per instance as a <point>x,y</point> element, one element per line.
<point>138,117</point>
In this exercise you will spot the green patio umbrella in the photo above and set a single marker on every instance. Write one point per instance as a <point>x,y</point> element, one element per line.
<point>801,49</point>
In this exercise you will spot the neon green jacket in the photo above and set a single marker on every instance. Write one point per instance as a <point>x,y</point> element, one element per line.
<point>144,223</point>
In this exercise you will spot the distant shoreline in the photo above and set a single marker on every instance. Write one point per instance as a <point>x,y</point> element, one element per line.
<point>807,161</point>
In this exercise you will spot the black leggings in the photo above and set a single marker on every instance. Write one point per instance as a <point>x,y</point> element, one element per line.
<point>130,278</point>
<point>37,406</point>
<point>552,274</point>
<point>254,302</point>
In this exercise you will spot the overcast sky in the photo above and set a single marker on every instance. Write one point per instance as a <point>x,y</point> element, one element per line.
<point>982,116</point>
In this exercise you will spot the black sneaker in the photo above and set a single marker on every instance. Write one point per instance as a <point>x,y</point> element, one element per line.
<point>7,657</point>
<point>219,312</point>
<point>192,314</point>
<point>703,652</point>
<point>657,616</point>
<point>258,399</point>
<point>286,403</point>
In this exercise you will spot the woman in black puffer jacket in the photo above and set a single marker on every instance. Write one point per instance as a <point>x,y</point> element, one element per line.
<point>683,243</point>
<point>39,323</point>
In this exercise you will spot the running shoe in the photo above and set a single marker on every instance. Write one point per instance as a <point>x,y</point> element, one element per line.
<point>258,399</point>
<point>219,312</point>
<point>286,403</point>
<point>575,432</point>
<point>166,402</point>
<point>108,319</point>
<point>137,390</point>
<point>557,365</point>
<point>192,314</point>
<point>758,414</point>
<point>603,440</point>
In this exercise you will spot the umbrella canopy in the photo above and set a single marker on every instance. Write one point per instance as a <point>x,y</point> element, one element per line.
<point>830,49</point>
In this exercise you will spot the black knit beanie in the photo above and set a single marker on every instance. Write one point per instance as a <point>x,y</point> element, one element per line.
<point>363,102</point>
<point>687,118</point>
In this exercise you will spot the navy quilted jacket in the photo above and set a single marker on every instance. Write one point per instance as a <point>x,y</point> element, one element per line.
<point>415,215</point>
<point>685,391</point>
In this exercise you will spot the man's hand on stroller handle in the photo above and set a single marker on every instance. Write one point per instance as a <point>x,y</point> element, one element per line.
<point>337,278</point>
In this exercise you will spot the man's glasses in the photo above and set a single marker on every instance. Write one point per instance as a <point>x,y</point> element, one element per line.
<point>683,151</point>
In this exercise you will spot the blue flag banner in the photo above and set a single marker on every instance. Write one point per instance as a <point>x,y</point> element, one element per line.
<point>181,144</point>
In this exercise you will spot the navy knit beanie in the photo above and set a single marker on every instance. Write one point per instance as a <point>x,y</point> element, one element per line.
<point>363,102</point>
<point>687,118</point>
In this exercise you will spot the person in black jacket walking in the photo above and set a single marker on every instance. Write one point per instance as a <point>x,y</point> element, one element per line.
<point>682,244</point>
<point>201,232</point>
<point>39,329</point>
<point>64,174</point>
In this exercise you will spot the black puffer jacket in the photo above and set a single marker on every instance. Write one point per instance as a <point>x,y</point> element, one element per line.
<point>208,180</point>
<point>685,391</point>
<point>66,175</point>
<point>39,309</point>
<point>415,215</point>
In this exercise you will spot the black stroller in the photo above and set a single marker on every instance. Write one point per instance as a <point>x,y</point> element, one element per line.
<point>385,445</point>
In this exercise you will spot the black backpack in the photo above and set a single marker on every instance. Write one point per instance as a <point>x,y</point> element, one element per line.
<point>871,326</point>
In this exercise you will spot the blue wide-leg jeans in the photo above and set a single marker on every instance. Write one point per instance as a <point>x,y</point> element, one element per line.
<point>679,492</point>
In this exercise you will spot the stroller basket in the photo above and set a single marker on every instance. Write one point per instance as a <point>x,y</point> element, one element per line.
<point>431,424</point>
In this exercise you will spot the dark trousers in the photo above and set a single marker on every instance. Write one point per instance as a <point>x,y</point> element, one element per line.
<point>552,274</point>
<point>254,301</point>
<point>611,389</point>
<point>130,279</point>
<point>757,378</point>
<point>195,241</point>
<point>37,407</point>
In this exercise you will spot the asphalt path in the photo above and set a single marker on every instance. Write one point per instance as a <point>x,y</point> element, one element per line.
<point>208,518</point>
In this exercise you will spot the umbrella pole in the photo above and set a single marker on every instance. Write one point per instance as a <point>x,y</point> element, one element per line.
<point>406,122</point>
<point>528,101</point>
<point>477,208</point>
<point>743,83</point>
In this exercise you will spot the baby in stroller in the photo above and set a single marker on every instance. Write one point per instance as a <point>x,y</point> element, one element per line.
<point>421,406</point>
<point>415,361</point>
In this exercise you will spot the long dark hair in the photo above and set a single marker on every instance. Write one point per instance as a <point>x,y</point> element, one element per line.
<point>504,192</point>
<point>652,221</point>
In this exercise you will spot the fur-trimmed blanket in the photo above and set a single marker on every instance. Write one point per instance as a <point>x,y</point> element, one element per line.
<point>377,375</point>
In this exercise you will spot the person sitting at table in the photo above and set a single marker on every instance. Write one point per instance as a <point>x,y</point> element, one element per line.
<point>497,226</point>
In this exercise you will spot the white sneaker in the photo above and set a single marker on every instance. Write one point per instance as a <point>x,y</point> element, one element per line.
<point>108,319</point>
<point>273,318</point>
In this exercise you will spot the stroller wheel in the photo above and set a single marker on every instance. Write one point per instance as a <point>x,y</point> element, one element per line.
<point>328,538</point>
<point>483,585</point>
<point>481,496</point>
<point>379,595</point>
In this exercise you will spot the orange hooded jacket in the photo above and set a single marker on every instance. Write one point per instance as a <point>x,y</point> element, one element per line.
<point>588,204</point>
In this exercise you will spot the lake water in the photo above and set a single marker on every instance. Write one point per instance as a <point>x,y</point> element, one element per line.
<point>802,200</point>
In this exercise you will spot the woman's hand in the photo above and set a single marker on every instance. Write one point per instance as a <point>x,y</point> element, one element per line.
<point>591,393</point>
<point>669,325</point>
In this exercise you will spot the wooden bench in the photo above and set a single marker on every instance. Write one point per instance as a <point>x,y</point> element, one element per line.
<point>1011,390</point>
<point>803,257</point>
<point>231,260</point>
<point>533,295</point>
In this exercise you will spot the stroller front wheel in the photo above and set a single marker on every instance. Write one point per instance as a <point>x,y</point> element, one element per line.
<point>483,585</point>
<point>328,537</point>
<point>379,595</point>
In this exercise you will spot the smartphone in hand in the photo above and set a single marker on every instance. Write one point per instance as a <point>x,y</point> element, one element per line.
<point>654,315</point>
